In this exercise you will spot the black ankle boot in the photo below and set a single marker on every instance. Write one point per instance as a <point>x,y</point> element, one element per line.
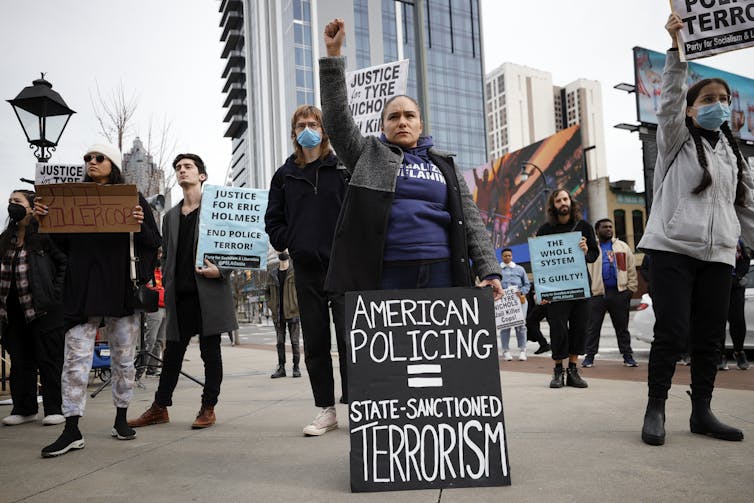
<point>704,422</point>
<point>653,431</point>
<point>121,430</point>
<point>558,377</point>
<point>280,372</point>
<point>71,438</point>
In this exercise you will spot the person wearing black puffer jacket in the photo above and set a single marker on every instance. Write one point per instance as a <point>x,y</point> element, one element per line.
<point>31,310</point>
<point>306,194</point>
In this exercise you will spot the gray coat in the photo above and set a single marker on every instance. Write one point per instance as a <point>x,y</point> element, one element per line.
<point>704,226</point>
<point>215,295</point>
<point>357,253</point>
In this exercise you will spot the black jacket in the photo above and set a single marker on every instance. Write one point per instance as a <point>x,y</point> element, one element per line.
<point>47,264</point>
<point>98,279</point>
<point>302,212</point>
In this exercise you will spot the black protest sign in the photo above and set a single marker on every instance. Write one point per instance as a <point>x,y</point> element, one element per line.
<point>425,405</point>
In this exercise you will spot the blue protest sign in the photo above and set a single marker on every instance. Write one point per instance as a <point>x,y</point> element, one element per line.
<point>559,267</point>
<point>231,228</point>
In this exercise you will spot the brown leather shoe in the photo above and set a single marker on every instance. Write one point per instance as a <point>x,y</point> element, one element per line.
<point>155,414</point>
<point>205,418</point>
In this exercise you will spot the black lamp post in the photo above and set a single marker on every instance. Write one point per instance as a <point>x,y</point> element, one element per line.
<point>43,116</point>
<point>525,174</point>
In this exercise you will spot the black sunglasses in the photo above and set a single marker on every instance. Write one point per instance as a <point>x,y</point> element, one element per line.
<point>99,158</point>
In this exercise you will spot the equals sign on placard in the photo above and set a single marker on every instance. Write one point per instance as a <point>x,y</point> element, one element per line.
<point>424,376</point>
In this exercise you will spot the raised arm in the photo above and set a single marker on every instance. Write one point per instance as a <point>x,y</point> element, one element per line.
<point>338,122</point>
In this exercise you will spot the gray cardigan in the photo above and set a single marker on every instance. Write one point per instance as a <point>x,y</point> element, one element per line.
<point>215,295</point>
<point>704,226</point>
<point>356,260</point>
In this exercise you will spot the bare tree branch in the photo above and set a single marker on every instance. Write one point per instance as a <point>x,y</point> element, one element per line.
<point>114,114</point>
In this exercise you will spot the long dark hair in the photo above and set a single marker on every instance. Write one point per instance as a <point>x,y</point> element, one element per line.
<point>31,237</point>
<point>552,213</point>
<point>701,157</point>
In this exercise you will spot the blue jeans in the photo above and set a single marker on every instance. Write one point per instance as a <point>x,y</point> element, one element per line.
<point>410,275</point>
<point>505,334</point>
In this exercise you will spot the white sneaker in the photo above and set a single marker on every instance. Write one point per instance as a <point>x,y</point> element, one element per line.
<point>507,356</point>
<point>324,422</point>
<point>522,356</point>
<point>15,419</point>
<point>53,419</point>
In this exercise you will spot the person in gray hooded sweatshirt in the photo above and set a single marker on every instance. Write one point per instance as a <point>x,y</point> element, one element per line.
<point>702,203</point>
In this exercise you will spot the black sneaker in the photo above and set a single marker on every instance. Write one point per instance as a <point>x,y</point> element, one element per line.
<point>574,379</point>
<point>296,372</point>
<point>741,361</point>
<point>557,378</point>
<point>122,431</point>
<point>69,439</point>
<point>544,348</point>
<point>723,363</point>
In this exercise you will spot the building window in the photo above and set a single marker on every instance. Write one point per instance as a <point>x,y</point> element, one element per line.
<point>302,44</point>
<point>619,216</point>
<point>361,30</point>
<point>637,217</point>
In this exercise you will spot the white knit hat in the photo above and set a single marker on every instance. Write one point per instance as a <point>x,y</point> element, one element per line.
<point>111,151</point>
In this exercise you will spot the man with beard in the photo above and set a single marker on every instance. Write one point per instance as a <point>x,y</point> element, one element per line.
<point>568,319</point>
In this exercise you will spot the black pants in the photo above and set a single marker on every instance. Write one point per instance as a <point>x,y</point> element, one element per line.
<point>690,297</point>
<point>37,344</point>
<point>534,317</point>
<point>294,329</point>
<point>313,306</point>
<point>189,324</point>
<point>736,318</point>
<point>616,304</point>
<point>567,321</point>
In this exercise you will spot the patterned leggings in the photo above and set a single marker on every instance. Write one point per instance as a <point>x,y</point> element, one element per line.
<point>79,347</point>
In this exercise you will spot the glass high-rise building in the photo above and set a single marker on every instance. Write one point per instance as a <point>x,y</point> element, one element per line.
<point>272,49</point>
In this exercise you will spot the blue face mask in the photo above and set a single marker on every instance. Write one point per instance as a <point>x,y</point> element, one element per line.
<point>712,116</point>
<point>308,138</point>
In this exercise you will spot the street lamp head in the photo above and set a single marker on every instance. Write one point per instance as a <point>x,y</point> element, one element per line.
<point>43,115</point>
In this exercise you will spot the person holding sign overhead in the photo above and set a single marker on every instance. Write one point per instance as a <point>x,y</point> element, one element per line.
<point>306,194</point>
<point>408,220</point>
<point>702,204</point>
<point>98,288</point>
<point>198,301</point>
<point>568,319</point>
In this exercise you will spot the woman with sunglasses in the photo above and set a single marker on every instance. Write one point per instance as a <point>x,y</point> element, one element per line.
<point>98,289</point>
<point>31,310</point>
<point>702,203</point>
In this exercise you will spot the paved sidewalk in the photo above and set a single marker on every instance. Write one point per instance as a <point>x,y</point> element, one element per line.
<point>564,445</point>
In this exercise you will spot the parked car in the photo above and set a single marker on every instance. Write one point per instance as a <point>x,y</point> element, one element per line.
<point>643,321</point>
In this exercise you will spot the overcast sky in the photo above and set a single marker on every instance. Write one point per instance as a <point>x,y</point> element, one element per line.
<point>167,54</point>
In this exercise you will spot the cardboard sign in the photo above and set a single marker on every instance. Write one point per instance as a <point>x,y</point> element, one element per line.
<point>559,267</point>
<point>231,228</point>
<point>368,90</point>
<point>58,173</point>
<point>425,405</point>
<point>509,310</point>
<point>714,26</point>
<point>88,207</point>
